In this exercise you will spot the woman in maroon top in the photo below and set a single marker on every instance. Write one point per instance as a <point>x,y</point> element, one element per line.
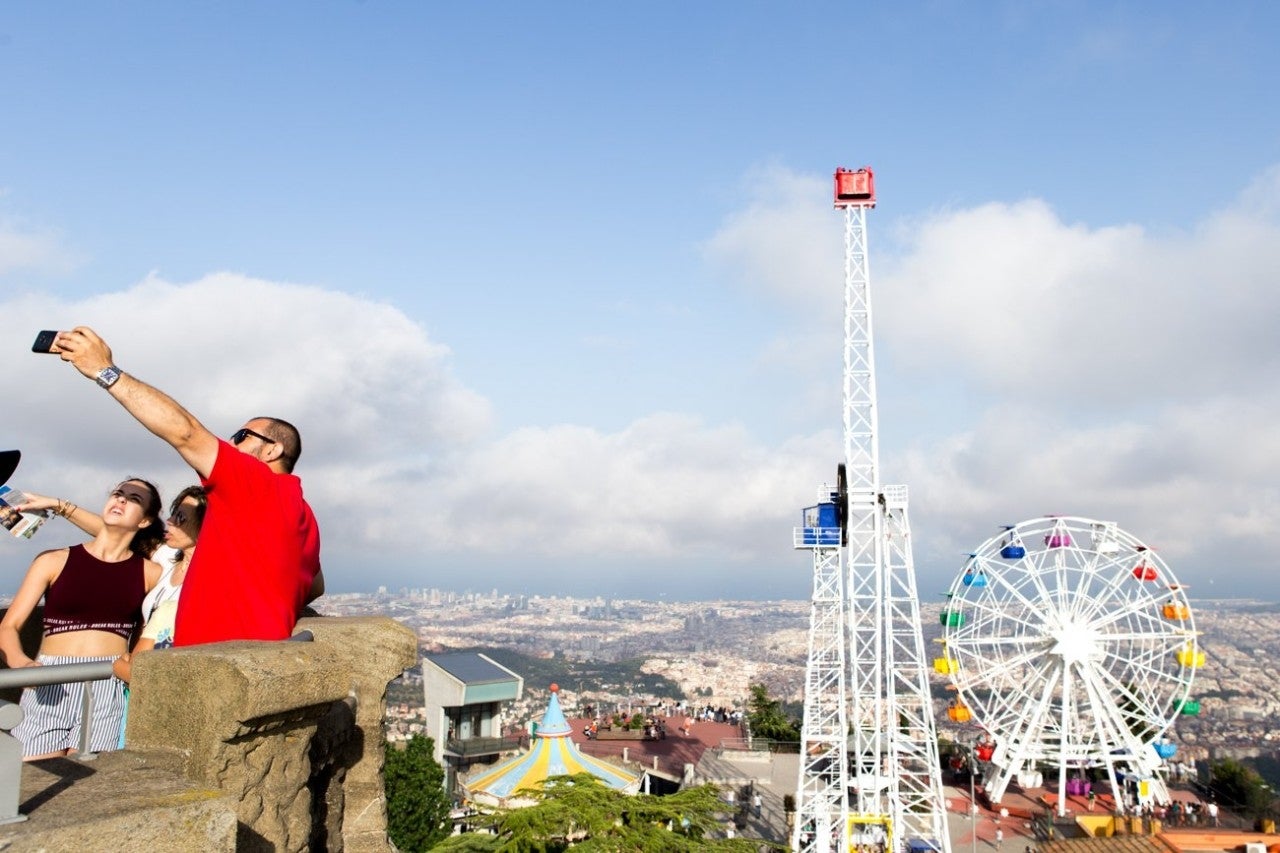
<point>93,596</point>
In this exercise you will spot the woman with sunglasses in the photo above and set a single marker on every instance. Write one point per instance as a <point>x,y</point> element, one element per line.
<point>181,530</point>
<point>93,597</point>
<point>173,553</point>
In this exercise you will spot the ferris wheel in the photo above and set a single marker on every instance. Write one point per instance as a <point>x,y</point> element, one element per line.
<point>1072,645</point>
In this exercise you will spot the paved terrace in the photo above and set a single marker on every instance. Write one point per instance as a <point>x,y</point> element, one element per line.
<point>978,833</point>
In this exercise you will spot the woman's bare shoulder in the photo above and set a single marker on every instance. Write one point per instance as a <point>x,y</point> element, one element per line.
<point>152,571</point>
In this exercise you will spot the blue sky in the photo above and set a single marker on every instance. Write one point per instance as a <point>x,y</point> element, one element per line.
<point>553,290</point>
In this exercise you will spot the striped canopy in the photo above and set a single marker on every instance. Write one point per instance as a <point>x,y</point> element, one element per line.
<point>553,754</point>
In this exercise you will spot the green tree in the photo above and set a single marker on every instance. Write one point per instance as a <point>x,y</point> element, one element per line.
<point>417,804</point>
<point>1240,787</point>
<point>767,718</point>
<point>580,812</point>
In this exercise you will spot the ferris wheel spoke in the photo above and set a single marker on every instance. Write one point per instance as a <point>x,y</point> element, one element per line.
<point>1148,669</point>
<point>999,577</point>
<point>1147,657</point>
<point>1081,595</point>
<point>1005,667</point>
<point>1030,719</point>
<point>1144,611</point>
<point>988,607</point>
<point>1108,571</point>
<point>1151,684</point>
<point>1108,720</point>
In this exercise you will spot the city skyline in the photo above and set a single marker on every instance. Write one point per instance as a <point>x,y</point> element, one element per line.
<point>554,293</point>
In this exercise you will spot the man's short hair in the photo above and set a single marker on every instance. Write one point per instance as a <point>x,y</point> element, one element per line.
<point>289,438</point>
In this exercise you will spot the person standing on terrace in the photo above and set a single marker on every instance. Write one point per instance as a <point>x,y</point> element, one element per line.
<point>258,563</point>
<point>92,605</point>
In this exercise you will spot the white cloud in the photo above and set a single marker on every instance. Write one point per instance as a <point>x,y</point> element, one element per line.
<point>666,486</point>
<point>1073,317</point>
<point>781,242</point>
<point>399,459</point>
<point>1104,372</point>
<point>28,250</point>
<point>1099,371</point>
<point>1111,373</point>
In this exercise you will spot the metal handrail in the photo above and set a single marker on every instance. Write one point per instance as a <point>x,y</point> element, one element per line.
<point>469,747</point>
<point>58,673</point>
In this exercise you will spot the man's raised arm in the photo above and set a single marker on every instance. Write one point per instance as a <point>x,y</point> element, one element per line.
<point>154,409</point>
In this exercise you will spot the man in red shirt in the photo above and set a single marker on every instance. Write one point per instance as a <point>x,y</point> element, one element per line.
<point>257,560</point>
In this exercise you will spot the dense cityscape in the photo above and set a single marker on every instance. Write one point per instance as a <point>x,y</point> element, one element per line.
<point>713,650</point>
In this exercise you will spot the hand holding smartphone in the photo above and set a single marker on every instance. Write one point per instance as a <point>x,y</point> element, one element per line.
<point>44,342</point>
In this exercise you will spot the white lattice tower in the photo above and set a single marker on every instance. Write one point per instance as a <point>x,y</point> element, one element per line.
<point>863,555</point>
<point>917,802</point>
<point>822,800</point>
<point>894,768</point>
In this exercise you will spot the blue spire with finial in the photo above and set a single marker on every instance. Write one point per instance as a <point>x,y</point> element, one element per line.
<point>553,722</point>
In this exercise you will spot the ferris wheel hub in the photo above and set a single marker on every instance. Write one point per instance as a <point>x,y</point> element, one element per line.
<point>1075,642</point>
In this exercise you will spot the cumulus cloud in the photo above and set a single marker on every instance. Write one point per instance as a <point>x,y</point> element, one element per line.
<point>400,460</point>
<point>780,242</point>
<point>1072,316</point>
<point>24,249</point>
<point>372,393</point>
<point>666,486</point>
<point>1043,366</point>
<point>1111,373</point>
<point>783,247</point>
<point>1102,371</point>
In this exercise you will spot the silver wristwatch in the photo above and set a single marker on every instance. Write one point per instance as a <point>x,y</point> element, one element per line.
<point>108,376</point>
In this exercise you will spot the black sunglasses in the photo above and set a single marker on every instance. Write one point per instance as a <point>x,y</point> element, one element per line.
<point>244,432</point>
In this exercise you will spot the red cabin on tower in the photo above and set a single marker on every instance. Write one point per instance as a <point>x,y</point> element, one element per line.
<point>855,188</point>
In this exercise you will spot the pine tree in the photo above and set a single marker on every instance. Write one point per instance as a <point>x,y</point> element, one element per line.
<point>767,719</point>
<point>581,812</point>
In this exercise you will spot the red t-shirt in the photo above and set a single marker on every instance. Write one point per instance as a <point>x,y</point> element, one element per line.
<point>258,552</point>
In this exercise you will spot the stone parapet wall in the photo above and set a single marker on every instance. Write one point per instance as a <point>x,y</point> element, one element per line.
<point>289,736</point>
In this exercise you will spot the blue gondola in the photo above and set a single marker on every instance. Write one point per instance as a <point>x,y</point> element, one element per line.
<point>1165,749</point>
<point>978,578</point>
<point>1012,549</point>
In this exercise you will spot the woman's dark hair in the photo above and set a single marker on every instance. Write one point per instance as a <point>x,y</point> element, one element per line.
<point>148,539</point>
<point>196,493</point>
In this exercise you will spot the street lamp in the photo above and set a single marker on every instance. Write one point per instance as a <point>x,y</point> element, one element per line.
<point>973,797</point>
<point>973,761</point>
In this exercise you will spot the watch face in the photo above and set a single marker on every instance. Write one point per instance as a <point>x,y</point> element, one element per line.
<point>107,376</point>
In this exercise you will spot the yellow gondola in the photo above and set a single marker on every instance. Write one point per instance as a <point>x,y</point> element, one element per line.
<point>1190,657</point>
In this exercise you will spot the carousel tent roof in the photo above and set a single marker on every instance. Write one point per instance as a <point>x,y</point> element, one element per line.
<point>553,754</point>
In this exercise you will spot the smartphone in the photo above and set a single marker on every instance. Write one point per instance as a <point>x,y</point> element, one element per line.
<point>44,342</point>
